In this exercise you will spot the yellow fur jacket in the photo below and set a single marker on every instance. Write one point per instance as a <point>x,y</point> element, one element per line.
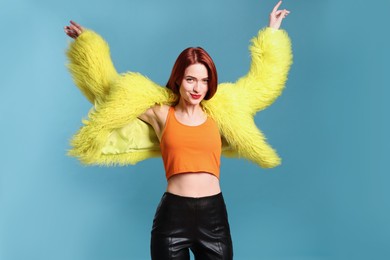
<point>113,135</point>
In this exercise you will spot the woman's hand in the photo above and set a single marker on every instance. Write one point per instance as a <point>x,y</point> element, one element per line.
<point>73,30</point>
<point>276,16</point>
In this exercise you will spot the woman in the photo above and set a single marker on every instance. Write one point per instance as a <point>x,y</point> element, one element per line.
<point>192,213</point>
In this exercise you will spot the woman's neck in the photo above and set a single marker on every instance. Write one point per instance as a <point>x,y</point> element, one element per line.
<point>189,109</point>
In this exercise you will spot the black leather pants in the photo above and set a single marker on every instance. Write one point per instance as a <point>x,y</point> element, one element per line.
<point>198,224</point>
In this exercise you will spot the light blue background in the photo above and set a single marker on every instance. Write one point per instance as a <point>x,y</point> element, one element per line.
<point>329,199</point>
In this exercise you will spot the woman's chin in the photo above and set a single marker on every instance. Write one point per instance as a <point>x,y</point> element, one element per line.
<point>193,102</point>
<point>196,102</point>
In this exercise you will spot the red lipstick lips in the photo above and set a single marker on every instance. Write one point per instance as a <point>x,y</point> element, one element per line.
<point>195,96</point>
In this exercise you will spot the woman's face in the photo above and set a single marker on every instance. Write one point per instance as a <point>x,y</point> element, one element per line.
<point>194,85</point>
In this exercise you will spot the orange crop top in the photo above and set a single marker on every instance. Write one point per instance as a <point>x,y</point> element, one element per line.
<point>187,148</point>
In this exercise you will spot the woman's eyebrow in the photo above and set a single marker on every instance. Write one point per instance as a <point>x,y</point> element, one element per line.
<point>189,76</point>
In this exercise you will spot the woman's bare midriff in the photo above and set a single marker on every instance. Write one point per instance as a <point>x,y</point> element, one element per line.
<point>189,184</point>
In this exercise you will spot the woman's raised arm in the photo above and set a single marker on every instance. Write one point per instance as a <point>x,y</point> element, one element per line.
<point>271,59</point>
<point>90,63</point>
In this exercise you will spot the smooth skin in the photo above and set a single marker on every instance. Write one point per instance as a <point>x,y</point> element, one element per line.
<point>188,111</point>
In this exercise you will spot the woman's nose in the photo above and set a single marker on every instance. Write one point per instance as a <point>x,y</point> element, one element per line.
<point>196,87</point>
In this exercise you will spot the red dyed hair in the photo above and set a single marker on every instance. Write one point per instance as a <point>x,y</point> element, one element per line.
<point>189,57</point>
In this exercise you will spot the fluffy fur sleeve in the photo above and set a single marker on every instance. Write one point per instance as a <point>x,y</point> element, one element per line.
<point>234,105</point>
<point>237,126</point>
<point>113,134</point>
<point>91,66</point>
<point>271,60</point>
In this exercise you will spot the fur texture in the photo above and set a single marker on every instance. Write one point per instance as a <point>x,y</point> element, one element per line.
<point>114,135</point>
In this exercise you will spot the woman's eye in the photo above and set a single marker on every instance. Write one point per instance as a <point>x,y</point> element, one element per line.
<point>189,80</point>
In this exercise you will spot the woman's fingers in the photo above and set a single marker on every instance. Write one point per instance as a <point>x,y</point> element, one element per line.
<point>78,26</point>
<point>277,13</point>
<point>281,13</point>
<point>276,16</point>
<point>72,31</point>
<point>285,13</point>
<point>277,6</point>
